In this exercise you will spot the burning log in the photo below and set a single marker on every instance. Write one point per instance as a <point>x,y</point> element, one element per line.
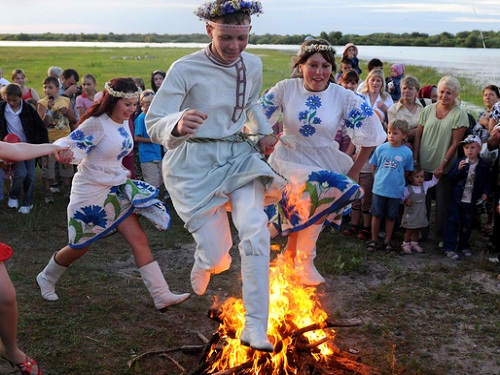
<point>301,331</point>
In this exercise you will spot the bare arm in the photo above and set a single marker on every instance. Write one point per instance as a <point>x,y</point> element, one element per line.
<point>416,142</point>
<point>456,136</point>
<point>26,151</point>
<point>363,155</point>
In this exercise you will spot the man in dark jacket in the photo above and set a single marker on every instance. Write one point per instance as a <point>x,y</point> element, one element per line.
<point>19,118</point>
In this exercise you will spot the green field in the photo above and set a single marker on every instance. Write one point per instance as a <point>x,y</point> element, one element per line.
<point>107,63</point>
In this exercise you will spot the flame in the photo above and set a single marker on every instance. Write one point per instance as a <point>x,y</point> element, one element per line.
<point>292,306</point>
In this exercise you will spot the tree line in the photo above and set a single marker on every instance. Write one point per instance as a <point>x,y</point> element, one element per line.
<point>467,39</point>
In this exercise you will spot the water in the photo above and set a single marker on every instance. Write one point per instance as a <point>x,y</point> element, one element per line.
<point>482,66</point>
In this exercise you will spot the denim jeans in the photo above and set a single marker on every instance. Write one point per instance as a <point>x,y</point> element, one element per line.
<point>459,224</point>
<point>24,179</point>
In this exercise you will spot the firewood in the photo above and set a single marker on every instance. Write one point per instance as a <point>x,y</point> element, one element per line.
<point>172,359</point>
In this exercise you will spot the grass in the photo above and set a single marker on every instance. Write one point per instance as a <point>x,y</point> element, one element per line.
<point>107,63</point>
<point>421,314</point>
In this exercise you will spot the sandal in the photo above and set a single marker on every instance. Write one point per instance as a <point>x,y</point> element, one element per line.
<point>350,232</point>
<point>364,234</point>
<point>371,246</point>
<point>28,367</point>
<point>388,247</point>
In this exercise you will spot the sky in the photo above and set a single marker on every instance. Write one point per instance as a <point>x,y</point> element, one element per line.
<point>283,17</point>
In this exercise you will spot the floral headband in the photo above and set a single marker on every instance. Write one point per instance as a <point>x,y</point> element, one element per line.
<point>318,48</point>
<point>223,26</point>
<point>208,11</point>
<point>121,94</point>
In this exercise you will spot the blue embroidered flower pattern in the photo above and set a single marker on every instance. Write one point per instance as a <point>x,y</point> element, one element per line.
<point>313,102</point>
<point>326,179</point>
<point>266,102</point>
<point>144,186</point>
<point>126,144</point>
<point>356,116</point>
<point>308,117</point>
<point>92,215</point>
<point>83,142</point>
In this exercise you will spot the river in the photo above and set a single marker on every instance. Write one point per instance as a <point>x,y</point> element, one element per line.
<point>482,66</point>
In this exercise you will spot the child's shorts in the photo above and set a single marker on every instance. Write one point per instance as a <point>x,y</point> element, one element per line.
<point>49,168</point>
<point>387,207</point>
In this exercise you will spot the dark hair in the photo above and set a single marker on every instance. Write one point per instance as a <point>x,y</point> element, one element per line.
<point>346,60</point>
<point>493,88</point>
<point>140,83</point>
<point>350,75</point>
<point>108,102</point>
<point>51,79</point>
<point>375,63</point>
<point>13,89</point>
<point>153,86</point>
<point>416,169</point>
<point>68,73</point>
<point>303,55</point>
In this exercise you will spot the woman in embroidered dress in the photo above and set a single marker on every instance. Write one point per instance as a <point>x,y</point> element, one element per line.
<point>104,198</point>
<point>313,109</point>
<point>8,304</point>
<point>199,114</point>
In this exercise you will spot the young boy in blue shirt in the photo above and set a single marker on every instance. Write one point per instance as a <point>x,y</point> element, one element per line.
<point>391,161</point>
<point>150,154</point>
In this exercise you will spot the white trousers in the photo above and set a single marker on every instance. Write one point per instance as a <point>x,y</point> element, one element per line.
<point>213,239</point>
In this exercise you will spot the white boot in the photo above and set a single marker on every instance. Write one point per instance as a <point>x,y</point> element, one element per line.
<point>255,278</point>
<point>47,279</point>
<point>199,279</point>
<point>158,288</point>
<point>306,252</point>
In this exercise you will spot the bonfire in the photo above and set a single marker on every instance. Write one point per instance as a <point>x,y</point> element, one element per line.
<point>299,328</point>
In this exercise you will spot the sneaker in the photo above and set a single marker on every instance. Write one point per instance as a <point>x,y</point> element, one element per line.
<point>494,260</point>
<point>25,209</point>
<point>416,247</point>
<point>452,255</point>
<point>49,199</point>
<point>54,188</point>
<point>467,252</point>
<point>406,247</point>
<point>13,203</point>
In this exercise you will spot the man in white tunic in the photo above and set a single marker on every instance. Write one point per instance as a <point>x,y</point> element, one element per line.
<point>199,113</point>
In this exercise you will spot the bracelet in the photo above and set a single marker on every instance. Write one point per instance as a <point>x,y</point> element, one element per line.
<point>446,160</point>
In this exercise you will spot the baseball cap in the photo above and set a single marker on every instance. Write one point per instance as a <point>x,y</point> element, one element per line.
<point>471,138</point>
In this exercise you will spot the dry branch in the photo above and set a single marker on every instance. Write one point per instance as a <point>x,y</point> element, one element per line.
<point>172,359</point>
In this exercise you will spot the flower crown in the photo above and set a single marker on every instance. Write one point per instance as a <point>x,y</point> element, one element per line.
<point>208,11</point>
<point>318,48</point>
<point>121,94</point>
